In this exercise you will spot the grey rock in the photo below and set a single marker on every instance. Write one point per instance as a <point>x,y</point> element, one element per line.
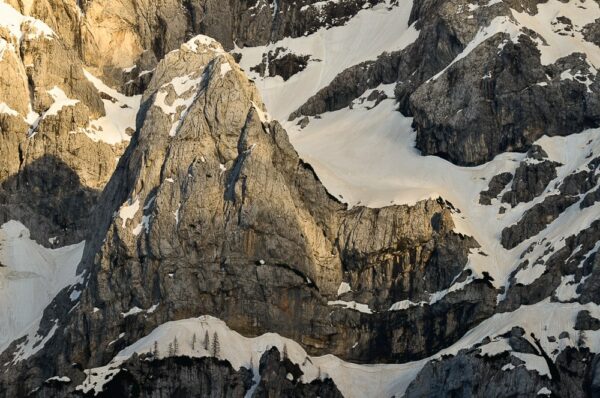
<point>239,227</point>
<point>530,181</point>
<point>591,32</point>
<point>176,376</point>
<point>275,380</point>
<point>281,63</point>
<point>577,259</point>
<point>470,375</point>
<point>590,198</point>
<point>470,123</point>
<point>350,84</point>
<point>535,220</point>
<point>585,321</point>
<point>495,187</point>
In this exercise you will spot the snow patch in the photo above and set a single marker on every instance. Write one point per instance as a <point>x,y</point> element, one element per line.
<point>225,68</point>
<point>30,278</point>
<point>544,391</point>
<point>344,288</point>
<point>186,89</point>
<point>353,305</point>
<point>60,101</point>
<point>120,115</point>
<point>63,379</point>
<point>128,211</point>
<point>201,40</point>
<point>4,108</point>
<point>132,311</point>
<point>405,304</point>
<point>19,25</point>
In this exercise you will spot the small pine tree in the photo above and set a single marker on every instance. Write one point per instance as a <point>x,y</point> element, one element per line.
<point>216,347</point>
<point>206,341</point>
<point>155,352</point>
<point>581,339</point>
<point>194,341</point>
<point>175,346</point>
<point>285,352</point>
<point>319,373</point>
<point>170,350</point>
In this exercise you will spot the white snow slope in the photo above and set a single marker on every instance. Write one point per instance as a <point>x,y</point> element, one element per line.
<point>30,277</point>
<point>371,32</point>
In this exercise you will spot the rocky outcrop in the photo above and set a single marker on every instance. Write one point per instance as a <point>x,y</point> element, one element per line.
<point>495,187</point>
<point>173,376</point>
<point>281,63</point>
<point>573,265</point>
<point>279,377</point>
<point>535,220</point>
<point>505,100</point>
<point>146,376</point>
<point>351,84</point>
<point>504,109</point>
<point>586,322</point>
<point>429,259</point>
<point>530,181</point>
<point>469,374</point>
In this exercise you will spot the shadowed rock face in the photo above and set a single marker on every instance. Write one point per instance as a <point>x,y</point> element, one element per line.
<point>175,376</point>
<point>281,378</point>
<point>145,376</point>
<point>470,374</point>
<point>504,112</point>
<point>48,196</point>
<point>490,101</point>
<point>280,63</point>
<point>50,182</point>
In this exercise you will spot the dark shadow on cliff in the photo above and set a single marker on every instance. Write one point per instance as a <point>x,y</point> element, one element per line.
<point>47,196</point>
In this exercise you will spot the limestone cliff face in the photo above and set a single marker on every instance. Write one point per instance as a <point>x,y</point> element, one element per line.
<point>48,102</point>
<point>110,36</point>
